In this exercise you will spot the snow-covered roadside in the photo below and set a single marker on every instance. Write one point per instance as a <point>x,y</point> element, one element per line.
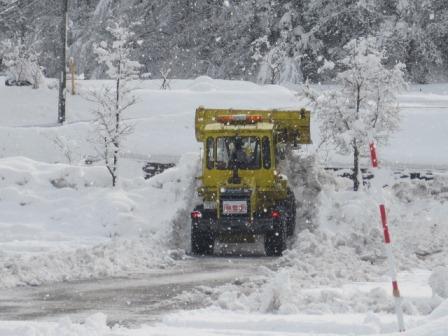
<point>62,222</point>
<point>219,322</point>
<point>212,322</point>
<point>338,266</point>
<point>345,242</point>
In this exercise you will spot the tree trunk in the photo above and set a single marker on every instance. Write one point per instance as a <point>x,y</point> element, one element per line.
<point>116,140</point>
<point>115,166</point>
<point>114,179</point>
<point>355,166</point>
<point>63,65</point>
<point>355,143</point>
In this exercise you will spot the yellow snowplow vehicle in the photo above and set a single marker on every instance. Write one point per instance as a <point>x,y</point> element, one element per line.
<point>243,194</point>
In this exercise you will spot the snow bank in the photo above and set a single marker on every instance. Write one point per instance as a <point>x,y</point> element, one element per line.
<point>337,263</point>
<point>118,257</point>
<point>218,322</point>
<point>202,83</point>
<point>94,325</point>
<point>62,222</point>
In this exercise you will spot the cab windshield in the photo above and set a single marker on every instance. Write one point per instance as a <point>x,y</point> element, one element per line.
<point>242,152</point>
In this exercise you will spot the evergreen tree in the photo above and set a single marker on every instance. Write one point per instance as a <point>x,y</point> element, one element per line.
<point>219,38</point>
<point>410,40</point>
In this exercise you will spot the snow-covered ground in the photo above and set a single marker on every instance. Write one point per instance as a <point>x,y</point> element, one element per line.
<point>210,322</point>
<point>60,220</point>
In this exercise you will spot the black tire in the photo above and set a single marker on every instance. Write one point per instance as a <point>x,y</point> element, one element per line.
<point>201,241</point>
<point>275,241</point>
<point>291,224</point>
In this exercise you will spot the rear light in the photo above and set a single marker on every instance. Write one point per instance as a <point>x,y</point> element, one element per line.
<point>196,214</point>
<point>275,214</point>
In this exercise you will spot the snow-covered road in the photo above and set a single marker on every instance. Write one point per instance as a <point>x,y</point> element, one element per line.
<point>128,301</point>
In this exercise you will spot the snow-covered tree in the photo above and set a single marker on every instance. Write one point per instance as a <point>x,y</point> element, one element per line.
<point>89,25</point>
<point>68,147</point>
<point>289,49</point>
<point>215,38</point>
<point>412,39</point>
<point>364,106</point>
<point>280,62</point>
<point>334,23</point>
<point>114,101</point>
<point>268,58</point>
<point>164,73</point>
<point>32,23</point>
<point>21,61</point>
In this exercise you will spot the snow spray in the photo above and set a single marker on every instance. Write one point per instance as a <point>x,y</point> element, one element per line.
<point>387,242</point>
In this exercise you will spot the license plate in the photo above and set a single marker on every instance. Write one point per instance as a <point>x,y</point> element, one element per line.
<point>234,207</point>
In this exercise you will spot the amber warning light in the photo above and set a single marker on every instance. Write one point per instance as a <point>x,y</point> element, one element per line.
<point>239,118</point>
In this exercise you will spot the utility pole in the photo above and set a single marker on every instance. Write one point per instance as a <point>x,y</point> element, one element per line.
<point>63,63</point>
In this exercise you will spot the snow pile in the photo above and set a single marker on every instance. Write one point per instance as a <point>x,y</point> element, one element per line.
<point>202,84</point>
<point>58,221</point>
<point>115,258</point>
<point>94,325</point>
<point>341,243</point>
<point>218,322</point>
<point>418,215</point>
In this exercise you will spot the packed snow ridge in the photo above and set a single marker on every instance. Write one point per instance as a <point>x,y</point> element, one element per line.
<point>63,222</point>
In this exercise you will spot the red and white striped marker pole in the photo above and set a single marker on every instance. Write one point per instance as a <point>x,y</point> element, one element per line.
<point>387,242</point>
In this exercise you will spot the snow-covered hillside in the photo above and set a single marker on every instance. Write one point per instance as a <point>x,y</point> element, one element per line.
<point>164,120</point>
<point>60,219</point>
